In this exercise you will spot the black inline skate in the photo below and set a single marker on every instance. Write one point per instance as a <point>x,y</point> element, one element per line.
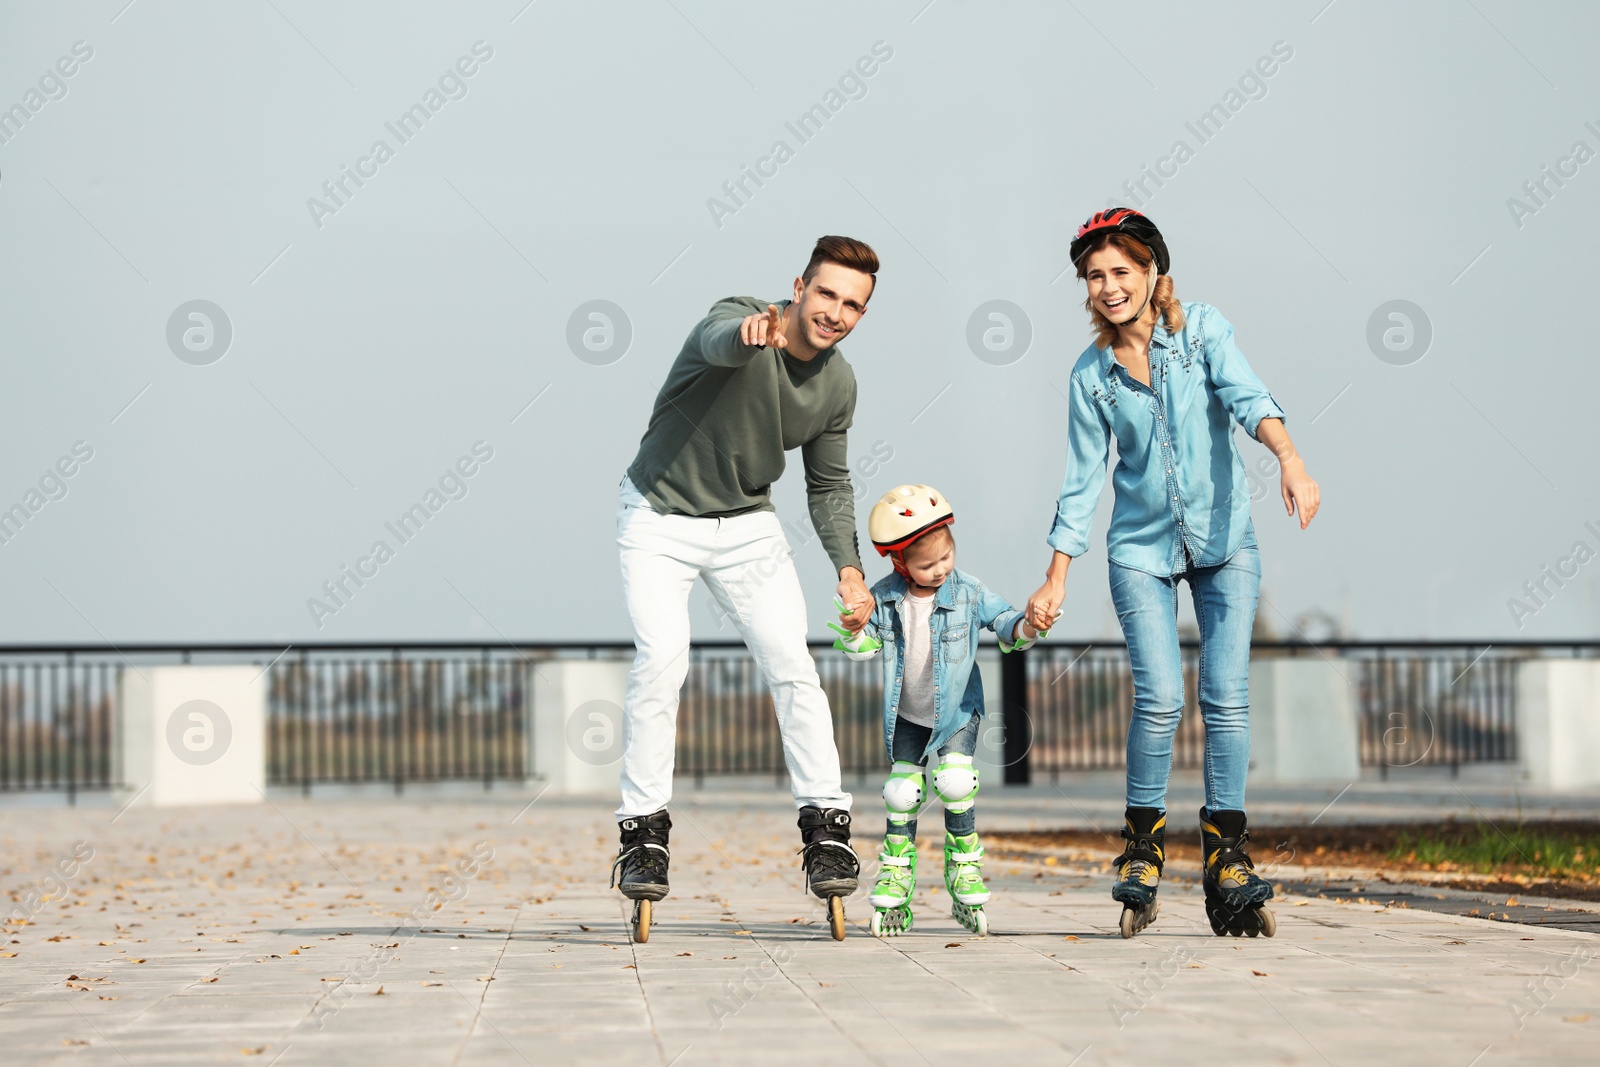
<point>1235,893</point>
<point>642,861</point>
<point>830,863</point>
<point>1139,867</point>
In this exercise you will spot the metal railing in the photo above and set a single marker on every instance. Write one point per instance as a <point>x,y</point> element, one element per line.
<point>1418,704</point>
<point>398,719</point>
<point>365,713</point>
<point>727,725</point>
<point>56,715</point>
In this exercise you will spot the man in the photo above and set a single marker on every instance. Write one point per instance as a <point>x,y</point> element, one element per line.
<point>754,380</point>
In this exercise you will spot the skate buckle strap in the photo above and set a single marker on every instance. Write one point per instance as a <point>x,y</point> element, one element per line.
<point>894,861</point>
<point>967,857</point>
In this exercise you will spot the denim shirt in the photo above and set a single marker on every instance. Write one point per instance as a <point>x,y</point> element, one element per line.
<point>1179,480</point>
<point>962,608</point>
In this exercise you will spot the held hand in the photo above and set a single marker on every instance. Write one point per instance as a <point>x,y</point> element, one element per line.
<point>1300,491</point>
<point>763,330</point>
<point>854,600</point>
<point>1044,606</point>
<point>859,645</point>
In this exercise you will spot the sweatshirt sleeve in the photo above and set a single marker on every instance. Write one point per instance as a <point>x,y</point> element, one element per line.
<point>717,336</point>
<point>829,494</point>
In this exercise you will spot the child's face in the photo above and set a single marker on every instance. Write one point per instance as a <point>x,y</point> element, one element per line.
<point>931,559</point>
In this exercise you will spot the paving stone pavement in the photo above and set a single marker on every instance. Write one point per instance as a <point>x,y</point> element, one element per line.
<point>481,931</point>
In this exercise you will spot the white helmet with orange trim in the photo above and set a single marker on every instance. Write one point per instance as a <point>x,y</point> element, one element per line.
<point>904,514</point>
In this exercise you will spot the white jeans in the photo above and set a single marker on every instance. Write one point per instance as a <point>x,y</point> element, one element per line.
<point>747,566</point>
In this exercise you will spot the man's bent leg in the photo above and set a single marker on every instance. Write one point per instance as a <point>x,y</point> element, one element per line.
<point>754,580</point>
<point>659,567</point>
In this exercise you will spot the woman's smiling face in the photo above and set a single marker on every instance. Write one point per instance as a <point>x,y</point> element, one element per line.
<point>1117,285</point>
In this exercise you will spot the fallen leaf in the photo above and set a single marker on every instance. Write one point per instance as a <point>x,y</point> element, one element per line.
<point>1260,974</point>
<point>626,967</point>
<point>432,983</point>
<point>1072,937</point>
<point>72,1041</point>
<point>213,978</point>
<point>140,960</point>
<point>104,997</point>
<point>379,992</point>
<point>254,1051</point>
<point>953,944</point>
<point>686,953</point>
<point>1575,1018</point>
<point>488,979</point>
<point>7,955</point>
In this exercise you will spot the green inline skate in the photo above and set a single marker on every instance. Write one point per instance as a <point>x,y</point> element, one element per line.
<point>964,882</point>
<point>897,881</point>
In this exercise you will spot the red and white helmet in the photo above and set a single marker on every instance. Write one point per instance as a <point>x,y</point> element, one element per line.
<point>904,514</point>
<point>1122,220</point>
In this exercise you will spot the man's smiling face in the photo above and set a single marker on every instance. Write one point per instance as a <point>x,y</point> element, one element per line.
<point>828,306</point>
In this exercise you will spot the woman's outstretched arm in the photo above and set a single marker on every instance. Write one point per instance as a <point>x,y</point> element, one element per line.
<point>1299,489</point>
<point>1044,606</point>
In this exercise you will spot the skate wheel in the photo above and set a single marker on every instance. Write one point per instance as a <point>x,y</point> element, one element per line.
<point>1269,922</point>
<point>1126,925</point>
<point>877,924</point>
<point>836,917</point>
<point>641,921</point>
<point>980,923</point>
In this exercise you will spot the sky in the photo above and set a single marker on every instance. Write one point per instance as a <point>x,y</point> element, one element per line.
<point>242,340</point>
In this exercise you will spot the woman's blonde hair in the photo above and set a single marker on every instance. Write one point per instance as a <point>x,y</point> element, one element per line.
<point>1165,299</point>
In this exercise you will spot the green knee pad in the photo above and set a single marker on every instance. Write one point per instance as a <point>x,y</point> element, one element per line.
<point>956,782</point>
<point>903,792</point>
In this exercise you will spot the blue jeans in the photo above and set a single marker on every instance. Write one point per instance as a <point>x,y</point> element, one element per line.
<point>1225,607</point>
<point>910,740</point>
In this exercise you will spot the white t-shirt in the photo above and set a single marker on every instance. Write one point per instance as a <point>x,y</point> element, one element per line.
<point>916,686</point>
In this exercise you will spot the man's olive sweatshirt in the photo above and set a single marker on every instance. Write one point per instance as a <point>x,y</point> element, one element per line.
<point>727,414</point>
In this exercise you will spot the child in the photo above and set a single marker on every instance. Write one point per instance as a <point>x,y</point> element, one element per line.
<point>927,619</point>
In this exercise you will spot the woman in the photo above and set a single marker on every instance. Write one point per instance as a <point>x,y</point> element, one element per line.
<point>1168,382</point>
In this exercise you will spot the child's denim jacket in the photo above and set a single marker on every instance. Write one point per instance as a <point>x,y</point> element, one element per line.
<point>961,608</point>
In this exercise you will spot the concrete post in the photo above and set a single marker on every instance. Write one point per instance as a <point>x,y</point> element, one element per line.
<point>192,735</point>
<point>989,758</point>
<point>577,724</point>
<point>1558,722</point>
<point>1303,725</point>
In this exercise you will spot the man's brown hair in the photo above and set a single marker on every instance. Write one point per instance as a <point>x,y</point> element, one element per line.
<point>846,252</point>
